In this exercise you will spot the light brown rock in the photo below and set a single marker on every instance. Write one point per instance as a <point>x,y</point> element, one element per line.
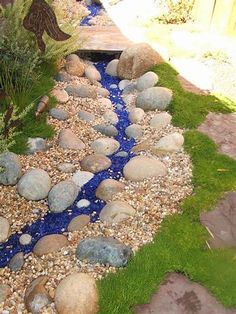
<point>4,229</point>
<point>50,243</point>
<point>36,296</point>
<point>106,146</point>
<point>77,294</point>
<point>4,292</point>
<point>60,95</point>
<point>142,167</point>
<point>116,211</point>
<point>74,66</point>
<point>78,223</point>
<point>95,163</point>
<point>69,140</point>
<point>136,60</point>
<point>108,188</point>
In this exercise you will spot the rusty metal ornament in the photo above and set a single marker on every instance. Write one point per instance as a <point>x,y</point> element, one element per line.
<point>40,19</point>
<point>42,105</point>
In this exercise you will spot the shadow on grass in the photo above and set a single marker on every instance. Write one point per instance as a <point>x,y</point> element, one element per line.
<point>180,245</point>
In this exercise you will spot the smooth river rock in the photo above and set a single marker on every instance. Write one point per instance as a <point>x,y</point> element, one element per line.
<point>74,66</point>
<point>170,143</point>
<point>78,223</point>
<point>160,120</point>
<point>59,114</point>
<point>86,116</point>
<point>116,211</point>
<point>4,229</point>
<point>62,196</point>
<point>36,144</point>
<point>142,167</point>
<point>136,115</point>
<point>34,185</point>
<point>10,168</point>
<point>108,188</point>
<point>111,68</point>
<point>111,117</point>
<point>107,130</point>
<point>106,146</point>
<point>80,178</point>
<point>134,131</point>
<point>83,91</point>
<point>92,74</point>
<point>147,80</point>
<point>154,98</point>
<point>68,140</point>
<point>5,290</point>
<point>95,163</point>
<point>61,95</point>
<point>50,243</point>
<point>104,250</point>
<point>77,294</point>
<point>17,261</point>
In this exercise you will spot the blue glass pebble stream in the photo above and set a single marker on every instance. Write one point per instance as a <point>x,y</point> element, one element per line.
<point>57,223</point>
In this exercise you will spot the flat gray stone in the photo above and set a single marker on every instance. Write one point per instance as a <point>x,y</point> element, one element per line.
<point>116,211</point>
<point>179,295</point>
<point>104,251</point>
<point>221,221</point>
<point>86,116</point>
<point>62,196</point>
<point>17,262</point>
<point>142,167</point>
<point>95,163</point>
<point>34,185</point>
<point>106,146</point>
<point>107,130</point>
<point>10,168</point>
<point>83,91</point>
<point>59,114</point>
<point>147,80</point>
<point>154,98</point>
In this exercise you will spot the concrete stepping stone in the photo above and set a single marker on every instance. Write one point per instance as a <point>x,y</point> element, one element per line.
<point>221,222</point>
<point>221,128</point>
<point>178,295</point>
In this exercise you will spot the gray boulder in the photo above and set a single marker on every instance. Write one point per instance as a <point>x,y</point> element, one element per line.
<point>104,250</point>
<point>62,195</point>
<point>10,168</point>
<point>34,185</point>
<point>147,80</point>
<point>154,98</point>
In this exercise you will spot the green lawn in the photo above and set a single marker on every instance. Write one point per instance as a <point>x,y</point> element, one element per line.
<point>181,243</point>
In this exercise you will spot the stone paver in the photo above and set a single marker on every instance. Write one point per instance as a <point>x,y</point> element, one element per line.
<point>221,128</point>
<point>178,295</point>
<point>221,222</point>
<point>190,87</point>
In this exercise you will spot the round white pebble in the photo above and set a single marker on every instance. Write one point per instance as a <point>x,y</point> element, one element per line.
<point>83,203</point>
<point>25,239</point>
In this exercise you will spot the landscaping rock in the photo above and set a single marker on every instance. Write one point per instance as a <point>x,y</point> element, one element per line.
<point>69,140</point>
<point>129,89</point>
<point>25,239</point>
<point>136,60</point>
<point>86,116</point>
<point>106,146</point>
<point>107,130</point>
<point>142,167</point>
<point>74,66</point>
<point>154,98</point>
<point>83,91</point>
<point>111,117</point>
<point>122,85</point>
<point>178,295</point>
<point>78,223</point>
<point>221,221</point>
<point>77,294</point>
<point>105,103</point>
<point>83,203</point>
<point>62,195</point>
<point>104,251</point>
<point>160,120</point>
<point>61,95</point>
<point>136,115</point>
<point>36,144</point>
<point>50,243</point>
<point>59,114</point>
<point>4,229</point>
<point>103,92</point>
<point>80,178</point>
<point>62,77</point>
<point>10,168</point>
<point>17,262</point>
<point>147,80</point>
<point>170,143</point>
<point>116,211</point>
<point>5,290</point>
<point>66,167</point>
<point>92,74</point>
<point>134,131</point>
<point>108,188</point>
<point>111,68</point>
<point>95,163</point>
<point>34,185</point>
<point>36,296</point>
<point>122,154</point>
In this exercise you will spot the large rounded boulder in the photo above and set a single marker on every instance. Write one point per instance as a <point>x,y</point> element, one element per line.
<point>136,60</point>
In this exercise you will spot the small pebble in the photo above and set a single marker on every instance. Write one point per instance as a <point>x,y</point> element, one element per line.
<point>83,203</point>
<point>25,239</point>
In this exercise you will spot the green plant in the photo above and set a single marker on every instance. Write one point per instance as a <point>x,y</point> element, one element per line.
<point>178,12</point>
